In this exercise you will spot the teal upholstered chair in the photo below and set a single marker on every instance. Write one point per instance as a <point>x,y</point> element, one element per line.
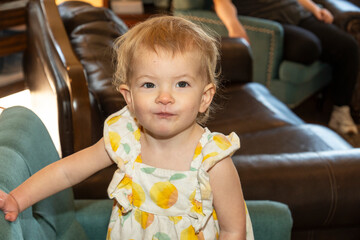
<point>290,82</point>
<point>26,147</point>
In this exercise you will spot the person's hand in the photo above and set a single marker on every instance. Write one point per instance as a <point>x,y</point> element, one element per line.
<point>239,33</point>
<point>9,206</point>
<point>324,15</point>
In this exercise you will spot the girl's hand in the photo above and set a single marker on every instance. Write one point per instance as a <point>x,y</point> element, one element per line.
<point>9,206</point>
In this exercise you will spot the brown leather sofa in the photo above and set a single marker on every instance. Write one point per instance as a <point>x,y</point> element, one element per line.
<point>68,68</point>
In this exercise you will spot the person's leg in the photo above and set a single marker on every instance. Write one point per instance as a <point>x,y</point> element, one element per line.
<point>300,45</point>
<point>341,51</point>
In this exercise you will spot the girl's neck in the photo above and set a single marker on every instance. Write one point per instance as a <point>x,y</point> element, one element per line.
<point>174,153</point>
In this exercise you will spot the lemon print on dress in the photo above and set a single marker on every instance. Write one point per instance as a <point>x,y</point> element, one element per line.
<point>212,154</point>
<point>108,234</point>
<point>137,134</point>
<point>113,120</point>
<point>189,234</point>
<point>196,205</point>
<point>114,140</point>
<point>138,195</point>
<point>164,194</point>
<point>125,182</point>
<point>197,150</point>
<point>176,219</point>
<point>144,218</point>
<point>161,236</point>
<point>222,142</point>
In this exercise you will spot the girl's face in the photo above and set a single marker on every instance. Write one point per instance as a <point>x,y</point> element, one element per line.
<point>167,92</point>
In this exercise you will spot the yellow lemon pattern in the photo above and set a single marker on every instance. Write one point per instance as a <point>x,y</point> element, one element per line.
<point>197,150</point>
<point>188,234</point>
<point>196,205</point>
<point>143,218</point>
<point>113,120</point>
<point>175,220</point>
<point>114,140</point>
<point>138,195</point>
<point>164,194</point>
<point>125,182</point>
<point>221,141</point>
<point>161,204</point>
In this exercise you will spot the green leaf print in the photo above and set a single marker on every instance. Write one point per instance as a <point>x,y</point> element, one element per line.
<point>161,236</point>
<point>130,127</point>
<point>148,170</point>
<point>177,176</point>
<point>193,169</point>
<point>124,217</point>
<point>126,148</point>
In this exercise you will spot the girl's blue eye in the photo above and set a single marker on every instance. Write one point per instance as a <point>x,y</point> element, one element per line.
<point>148,85</point>
<point>182,84</point>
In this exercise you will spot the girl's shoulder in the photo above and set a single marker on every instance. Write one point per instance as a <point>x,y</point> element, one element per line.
<point>122,136</point>
<point>214,147</point>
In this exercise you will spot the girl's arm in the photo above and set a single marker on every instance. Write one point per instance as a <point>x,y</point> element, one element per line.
<point>228,200</point>
<point>227,12</point>
<point>54,178</point>
<point>321,14</point>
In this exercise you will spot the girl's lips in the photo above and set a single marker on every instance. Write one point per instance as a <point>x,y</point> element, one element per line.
<point>164,114</point>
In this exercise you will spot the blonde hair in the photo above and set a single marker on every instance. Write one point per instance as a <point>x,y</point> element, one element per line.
<point>173,34</point>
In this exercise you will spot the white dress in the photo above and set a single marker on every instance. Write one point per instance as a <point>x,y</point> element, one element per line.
<point>155,203</point>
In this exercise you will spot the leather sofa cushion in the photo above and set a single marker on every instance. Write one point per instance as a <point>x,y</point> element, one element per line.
<point>292,139</point>
<point>250,108</point>
<point>319,187</point>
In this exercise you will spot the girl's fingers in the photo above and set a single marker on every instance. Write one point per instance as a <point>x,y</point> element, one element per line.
<point>11,217</point>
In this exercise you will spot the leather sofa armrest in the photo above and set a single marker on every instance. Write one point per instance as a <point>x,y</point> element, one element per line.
<point>236,60</point>
<point>346,14</point>
<point>319,187</point>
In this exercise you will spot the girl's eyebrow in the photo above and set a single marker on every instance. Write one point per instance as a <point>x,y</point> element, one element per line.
<point>144,76</point>
<point>176,77</point>
<point>184,76</point>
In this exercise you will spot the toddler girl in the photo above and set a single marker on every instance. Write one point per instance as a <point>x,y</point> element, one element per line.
<point>175,179</point>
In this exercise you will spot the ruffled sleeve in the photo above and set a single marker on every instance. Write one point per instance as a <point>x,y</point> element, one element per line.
<point>121,138</point>
<point>217,146</point>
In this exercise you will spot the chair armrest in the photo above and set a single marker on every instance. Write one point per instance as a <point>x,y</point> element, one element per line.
<point>318,187</point>
<point>346,14</point>
<point>263,213</point>
<point>266,40</point>
<point>10,231</point>
<point>236,60</point>
<point>94,216</point>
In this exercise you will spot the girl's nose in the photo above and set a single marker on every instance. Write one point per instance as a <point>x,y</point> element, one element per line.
<point>164,97</point>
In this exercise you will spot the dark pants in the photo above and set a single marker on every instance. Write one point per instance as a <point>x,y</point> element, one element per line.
<point>311,40</point>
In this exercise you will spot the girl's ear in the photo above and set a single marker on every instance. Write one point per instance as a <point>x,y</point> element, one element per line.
<point>208,95</point>
<point>125,91</point>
